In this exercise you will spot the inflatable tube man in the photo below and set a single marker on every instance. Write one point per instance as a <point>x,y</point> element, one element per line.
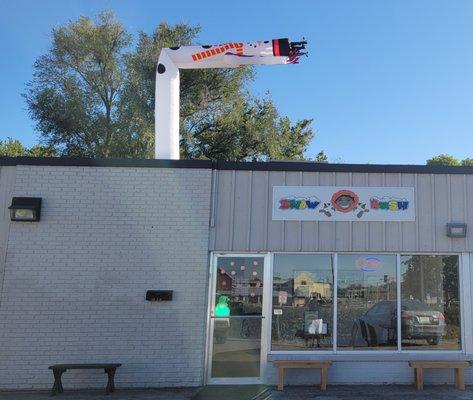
<point>226,55</point>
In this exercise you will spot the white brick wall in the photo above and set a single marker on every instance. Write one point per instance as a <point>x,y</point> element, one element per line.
<point>75,283</point>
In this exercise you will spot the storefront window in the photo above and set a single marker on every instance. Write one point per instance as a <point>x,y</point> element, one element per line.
<point>302,302</point>
<point>366,305</point>
<point>367,302</point>
<point>430,304</point>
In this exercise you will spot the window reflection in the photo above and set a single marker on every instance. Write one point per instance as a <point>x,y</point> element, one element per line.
<point>238,309</point>
<point>366,305</point>
<point>240,285</point>
<point>302,302</point>
<point>367,314</point>
<point>430,302</point>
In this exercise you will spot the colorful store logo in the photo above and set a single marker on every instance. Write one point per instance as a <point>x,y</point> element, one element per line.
<point>302,203</point>
<point>388,204</point>
<point>368,264</point>
<point>345,201</point>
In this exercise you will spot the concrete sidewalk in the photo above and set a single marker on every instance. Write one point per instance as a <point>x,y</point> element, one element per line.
<point>359,392</point>
<point>99,394</point>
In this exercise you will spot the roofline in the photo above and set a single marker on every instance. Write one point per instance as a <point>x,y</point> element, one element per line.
<point>104,162</point>
<point>296,166</point>
<point>310,166</point>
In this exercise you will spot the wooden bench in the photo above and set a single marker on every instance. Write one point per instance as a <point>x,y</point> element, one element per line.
<point>458,366</point>
<point>59,369</point>
<point>322,365</point>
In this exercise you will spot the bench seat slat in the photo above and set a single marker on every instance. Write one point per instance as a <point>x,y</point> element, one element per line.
<point>300,364</point>
<point>303,364</point>
<point>439,364</point>
<point>83,366</point>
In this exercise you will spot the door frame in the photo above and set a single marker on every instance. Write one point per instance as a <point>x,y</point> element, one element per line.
<point>265,321</point>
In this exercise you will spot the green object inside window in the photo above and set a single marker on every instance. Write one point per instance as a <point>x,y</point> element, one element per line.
<point>222,309</point>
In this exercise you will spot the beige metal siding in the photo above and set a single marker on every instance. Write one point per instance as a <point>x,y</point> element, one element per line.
<point>243,202</point>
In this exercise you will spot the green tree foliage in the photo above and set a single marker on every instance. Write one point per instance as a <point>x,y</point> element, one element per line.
<point>321,157</point>
<point>447,159</point>
<point>41,151</point>
<point>467,162</point>
<point>11,148</point>
<point>14,148</point>
<point>443,159</point>
<point>93,94</point>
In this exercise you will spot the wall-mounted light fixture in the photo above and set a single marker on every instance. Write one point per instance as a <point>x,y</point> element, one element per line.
<point>25,209</point>
<point>159,295</point>
<point>455,230</point>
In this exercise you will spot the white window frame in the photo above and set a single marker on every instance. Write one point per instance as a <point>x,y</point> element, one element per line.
<point>265,322</point>
<point>466,306</point>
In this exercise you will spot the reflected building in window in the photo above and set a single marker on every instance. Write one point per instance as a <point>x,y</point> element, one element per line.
<point>307,286</point>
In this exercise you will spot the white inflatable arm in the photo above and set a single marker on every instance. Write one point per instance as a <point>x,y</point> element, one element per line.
<point>226,55</point>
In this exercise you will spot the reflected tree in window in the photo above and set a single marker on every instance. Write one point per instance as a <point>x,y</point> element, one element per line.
<point>430,302</point>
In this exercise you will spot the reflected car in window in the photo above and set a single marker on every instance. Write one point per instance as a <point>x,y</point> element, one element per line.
<point>419,321</point>
<point>378,326</point>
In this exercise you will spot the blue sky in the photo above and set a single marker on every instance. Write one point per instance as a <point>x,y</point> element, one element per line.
<point>385,81</point>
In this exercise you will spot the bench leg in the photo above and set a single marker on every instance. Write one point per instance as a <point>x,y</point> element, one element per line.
<point>57,386</point>
<point>323,378</point>
<point>419,374</point>
<point>280,378</point>
<point>459,379</point>
<point>111,383</point>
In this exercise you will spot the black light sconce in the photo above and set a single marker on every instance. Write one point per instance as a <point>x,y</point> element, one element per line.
<point>159,295</point>
<point>455,230</point>
<point>25,209</point>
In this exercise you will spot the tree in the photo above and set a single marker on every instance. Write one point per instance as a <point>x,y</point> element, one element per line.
<point>14,148</point>
<point>443,159</point>
<point>11,148</point>
<point>74,93</point>
<point>447,159</point>
<point>321,157</point>
<point>41,151</point>
<point>93,94</point>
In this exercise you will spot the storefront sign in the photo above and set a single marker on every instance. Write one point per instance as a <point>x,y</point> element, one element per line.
<point>337,203</point>
<point>368,264</point>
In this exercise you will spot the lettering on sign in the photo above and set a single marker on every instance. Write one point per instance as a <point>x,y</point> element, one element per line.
<point>335,203</point>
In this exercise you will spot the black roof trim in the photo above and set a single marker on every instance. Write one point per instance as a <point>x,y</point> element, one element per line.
<point>308,166</point>
<point>297,166</point>
<point>105,162</point>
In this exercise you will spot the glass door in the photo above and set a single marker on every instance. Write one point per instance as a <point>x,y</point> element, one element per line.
<point>237,319</point>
